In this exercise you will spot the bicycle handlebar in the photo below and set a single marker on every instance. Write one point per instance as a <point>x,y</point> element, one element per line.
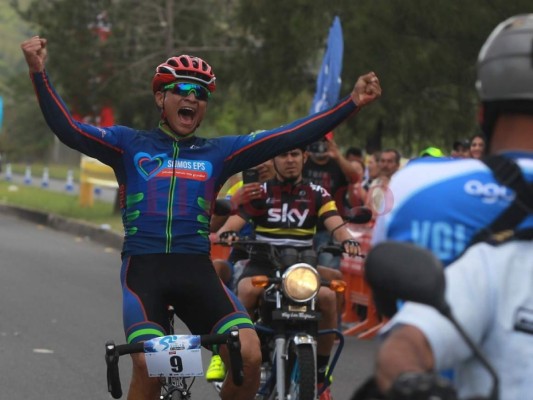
<point>113,352</point>
<point>333,249</point>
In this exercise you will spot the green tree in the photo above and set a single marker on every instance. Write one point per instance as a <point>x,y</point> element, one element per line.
<point>90,73</point>
<point>13,82</point>
<point>423,51</point>
<point>425,54</point>
<point>266,55</point>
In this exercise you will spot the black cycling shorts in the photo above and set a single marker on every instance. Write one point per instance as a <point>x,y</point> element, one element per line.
<point>189,283</point>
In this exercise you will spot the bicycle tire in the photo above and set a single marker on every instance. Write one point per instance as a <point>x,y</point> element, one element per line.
<point>177,396</point>
<point>301,373</point>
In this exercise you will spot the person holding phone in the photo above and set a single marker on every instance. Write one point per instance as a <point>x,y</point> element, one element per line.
<point>287,217</point>
<point>326,166</point>
<point>242,188</point>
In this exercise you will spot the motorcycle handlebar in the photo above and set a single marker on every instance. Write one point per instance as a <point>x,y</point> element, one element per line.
<point>335,249</point>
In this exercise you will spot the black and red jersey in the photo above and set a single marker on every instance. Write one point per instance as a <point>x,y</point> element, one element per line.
<point>289,212</point>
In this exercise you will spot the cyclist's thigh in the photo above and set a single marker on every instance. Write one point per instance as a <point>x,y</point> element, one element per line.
<point>145,313</point>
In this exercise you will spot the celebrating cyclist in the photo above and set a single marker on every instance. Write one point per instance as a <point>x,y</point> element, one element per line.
<point>168,178</point>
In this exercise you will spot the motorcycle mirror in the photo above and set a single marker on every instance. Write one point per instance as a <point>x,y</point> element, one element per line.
<point>359,215</point>
<point>356,215</point>
<point>400,270</point>
<point>403,271</point>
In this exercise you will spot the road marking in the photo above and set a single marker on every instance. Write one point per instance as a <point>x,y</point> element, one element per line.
<point>43,351</point>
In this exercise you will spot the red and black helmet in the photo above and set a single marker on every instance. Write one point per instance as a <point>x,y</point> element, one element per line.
<point>184,67</point>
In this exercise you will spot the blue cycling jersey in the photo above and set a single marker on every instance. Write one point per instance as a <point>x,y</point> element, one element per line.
<point>167,185</point>
<point>440,203</point>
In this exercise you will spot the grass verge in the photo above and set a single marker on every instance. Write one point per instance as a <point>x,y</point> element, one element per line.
<point>64,205</point>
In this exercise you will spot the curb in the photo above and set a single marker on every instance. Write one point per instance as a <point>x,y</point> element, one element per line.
<point>75,227</point>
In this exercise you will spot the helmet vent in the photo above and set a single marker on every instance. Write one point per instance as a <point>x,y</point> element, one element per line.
<point>185,62</point>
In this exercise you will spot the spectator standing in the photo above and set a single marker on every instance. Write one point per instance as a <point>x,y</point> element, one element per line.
<point>356,195</point>
<point>389,163</point>
<point>354,154</point>
<point>460,149</point>
<point>327,167</point>
<point>379,198</point>
<point>477,146</point>
<point>372,169</point>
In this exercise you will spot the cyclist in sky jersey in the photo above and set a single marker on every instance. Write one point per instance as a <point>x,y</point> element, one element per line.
<point>168,178</point>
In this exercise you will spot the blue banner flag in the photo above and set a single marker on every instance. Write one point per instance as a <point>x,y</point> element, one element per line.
<point>328,83</point>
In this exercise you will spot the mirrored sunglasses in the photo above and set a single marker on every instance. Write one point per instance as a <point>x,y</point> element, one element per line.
<point>186,88</point>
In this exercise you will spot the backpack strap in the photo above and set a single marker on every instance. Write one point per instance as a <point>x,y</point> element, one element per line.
<point>507,173</point>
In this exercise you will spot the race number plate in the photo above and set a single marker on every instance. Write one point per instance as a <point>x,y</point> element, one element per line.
<point>174,355</point>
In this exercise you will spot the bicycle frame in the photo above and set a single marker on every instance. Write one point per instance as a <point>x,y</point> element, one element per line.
<point>175,385</point>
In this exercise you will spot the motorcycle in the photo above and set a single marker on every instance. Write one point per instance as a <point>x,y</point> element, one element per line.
<point>287,319</point>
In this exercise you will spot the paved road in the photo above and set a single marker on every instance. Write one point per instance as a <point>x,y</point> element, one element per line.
<point>59,303</point>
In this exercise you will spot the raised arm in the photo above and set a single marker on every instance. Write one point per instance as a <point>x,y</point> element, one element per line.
<point>366,90</point>
<point>35,53</point>
<point>250,150</point>
<point>102,143</point>
<point>348,169</point>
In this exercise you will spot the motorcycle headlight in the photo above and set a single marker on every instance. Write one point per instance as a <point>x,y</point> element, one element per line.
<point>301,282</point>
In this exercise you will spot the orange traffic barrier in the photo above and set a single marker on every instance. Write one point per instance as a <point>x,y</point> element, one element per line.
<point>359,308</point>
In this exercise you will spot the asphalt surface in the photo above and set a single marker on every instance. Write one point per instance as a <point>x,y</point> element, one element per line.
<point>60,301</point>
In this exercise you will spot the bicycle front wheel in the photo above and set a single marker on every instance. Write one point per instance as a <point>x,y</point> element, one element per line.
<point>175,389</point>
<point>301,373</point>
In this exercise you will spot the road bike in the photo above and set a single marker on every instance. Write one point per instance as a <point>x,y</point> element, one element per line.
<point>175,359</point>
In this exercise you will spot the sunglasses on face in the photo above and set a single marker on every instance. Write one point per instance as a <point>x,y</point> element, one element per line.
<point>186,88</point>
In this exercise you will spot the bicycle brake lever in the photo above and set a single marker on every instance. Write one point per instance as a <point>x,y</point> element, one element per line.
<point>234,348</point>
<point>113,378</point>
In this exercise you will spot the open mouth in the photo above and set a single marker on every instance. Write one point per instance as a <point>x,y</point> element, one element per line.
<point>186,114</point>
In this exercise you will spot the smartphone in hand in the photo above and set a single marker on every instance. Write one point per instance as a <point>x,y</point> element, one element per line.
<point>250,176</point>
